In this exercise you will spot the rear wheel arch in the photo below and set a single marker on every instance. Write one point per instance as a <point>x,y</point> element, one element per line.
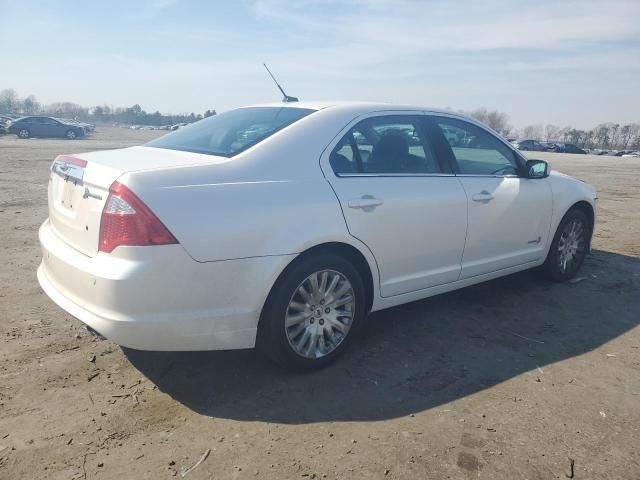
<point>345,250</point>
<point>356,257</point>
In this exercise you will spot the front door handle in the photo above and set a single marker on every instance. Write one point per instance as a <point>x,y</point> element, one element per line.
<point>367,202</point>
<point>482,197</point>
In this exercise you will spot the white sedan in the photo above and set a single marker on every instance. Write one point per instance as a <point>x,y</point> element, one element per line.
<point>283,226</point>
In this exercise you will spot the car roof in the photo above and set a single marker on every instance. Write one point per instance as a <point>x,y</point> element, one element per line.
<point>355,106</point>
<point>352,109</point>
<point>35,116</point>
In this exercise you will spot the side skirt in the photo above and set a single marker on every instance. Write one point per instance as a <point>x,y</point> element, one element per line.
<point>381,303</point>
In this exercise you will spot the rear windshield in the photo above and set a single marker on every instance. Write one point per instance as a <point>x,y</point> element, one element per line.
<point>231,132</point>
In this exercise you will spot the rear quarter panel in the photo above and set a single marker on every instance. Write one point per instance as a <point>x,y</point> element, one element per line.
<point>220,218</point>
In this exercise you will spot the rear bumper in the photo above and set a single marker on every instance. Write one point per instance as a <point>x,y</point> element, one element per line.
<point>159,298</point>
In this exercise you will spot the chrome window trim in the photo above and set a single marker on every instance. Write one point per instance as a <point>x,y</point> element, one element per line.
<point>394,175</point>
<point>397,175</point>
<point>512,175</point>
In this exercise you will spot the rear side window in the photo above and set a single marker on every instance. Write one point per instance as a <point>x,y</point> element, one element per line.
<point>384,145</point>
<point>477,152</point>
<point>229,133</point>
<point>46,121</point>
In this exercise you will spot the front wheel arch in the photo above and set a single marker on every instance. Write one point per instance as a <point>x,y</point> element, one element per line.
<point>550,266</point>
<point>586,208</point>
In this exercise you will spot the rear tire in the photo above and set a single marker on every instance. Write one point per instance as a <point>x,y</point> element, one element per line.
<point>569,246</point>
<point>23,133</point>
<point>294,334</point>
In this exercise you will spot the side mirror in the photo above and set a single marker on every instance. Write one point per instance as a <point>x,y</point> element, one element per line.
<point>536,169</point>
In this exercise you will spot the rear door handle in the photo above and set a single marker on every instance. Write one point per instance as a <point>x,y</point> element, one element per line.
<point>482,197</point>
<point>367,202</point>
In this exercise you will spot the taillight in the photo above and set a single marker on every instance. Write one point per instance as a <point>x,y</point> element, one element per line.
<point>126,220</point>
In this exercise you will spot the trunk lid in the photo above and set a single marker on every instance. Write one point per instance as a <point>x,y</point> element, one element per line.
<point>79,187</point>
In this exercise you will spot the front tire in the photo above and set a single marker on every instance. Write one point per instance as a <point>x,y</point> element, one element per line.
<point>23,133</point>
<point>312,312</point>
<point>569,246</point>
<point>71,135</point>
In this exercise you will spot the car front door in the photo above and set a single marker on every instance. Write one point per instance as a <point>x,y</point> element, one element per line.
<point>39,127</point>
<point>53,128</point>
<point>509,216</point>
<point>400,201</point>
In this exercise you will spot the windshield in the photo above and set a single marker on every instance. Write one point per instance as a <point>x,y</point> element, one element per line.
<point>229,133</point>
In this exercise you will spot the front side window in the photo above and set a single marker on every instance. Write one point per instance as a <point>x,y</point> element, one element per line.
<point>384,145</point>
<point>229,133</point>
<point>476,151</point>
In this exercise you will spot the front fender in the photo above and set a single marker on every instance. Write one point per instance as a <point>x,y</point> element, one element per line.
<point>567,192</point>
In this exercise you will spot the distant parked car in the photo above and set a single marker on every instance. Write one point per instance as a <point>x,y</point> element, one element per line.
<point>38,126</point>
<point>88,127</point>
<point>568,148</point>
<point>5,122</point>
<point>622,153</point>
<point>531,145</point>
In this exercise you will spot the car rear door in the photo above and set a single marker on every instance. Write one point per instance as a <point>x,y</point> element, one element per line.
<point>508,216</point>
<point>399,200</point>
<point>32,125</point>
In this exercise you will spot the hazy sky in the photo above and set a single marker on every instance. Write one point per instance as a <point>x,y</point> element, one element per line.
<point>543,61</point>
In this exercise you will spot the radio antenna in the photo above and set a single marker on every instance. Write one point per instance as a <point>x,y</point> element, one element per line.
<point>286,98</point>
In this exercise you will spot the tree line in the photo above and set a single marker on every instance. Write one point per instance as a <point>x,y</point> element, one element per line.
<point>10,102</point>
<point>604,136</point>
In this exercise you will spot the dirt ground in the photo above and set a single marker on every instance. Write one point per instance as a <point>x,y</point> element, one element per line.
<point>517,378</point>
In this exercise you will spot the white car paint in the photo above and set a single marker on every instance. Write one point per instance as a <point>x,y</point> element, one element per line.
<point>240,221</point>
<point>513,229</point>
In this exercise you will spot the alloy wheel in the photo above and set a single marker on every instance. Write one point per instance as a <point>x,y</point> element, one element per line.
<point>320,314</point>
<point>571,245</point>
